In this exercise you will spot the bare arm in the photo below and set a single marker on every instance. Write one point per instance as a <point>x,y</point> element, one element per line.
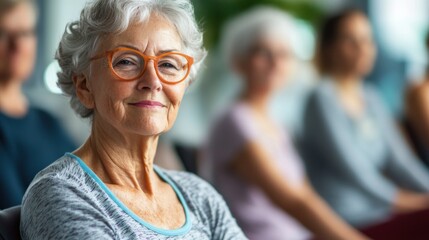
<point>418,109</point>
<point>301,202</point>
<point>407,201</point>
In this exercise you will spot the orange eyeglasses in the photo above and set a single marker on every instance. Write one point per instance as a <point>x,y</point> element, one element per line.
<point>129,64</point>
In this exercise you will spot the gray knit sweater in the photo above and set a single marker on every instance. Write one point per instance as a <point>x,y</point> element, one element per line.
<point>68,201</point>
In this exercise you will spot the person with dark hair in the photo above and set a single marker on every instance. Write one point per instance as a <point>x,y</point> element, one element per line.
<point>30,138</point>
<point>355,156</point>
<point>249,157</point>
<point>417,113</point>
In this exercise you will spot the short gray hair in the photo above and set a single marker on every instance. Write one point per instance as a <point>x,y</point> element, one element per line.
<point>102,17</point>
<point>244,30</point>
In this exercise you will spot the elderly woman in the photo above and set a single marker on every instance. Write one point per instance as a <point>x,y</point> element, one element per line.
<point>27,133</point>
<point>356,157</point>
<point>126,64</point>
<point>249,156</point>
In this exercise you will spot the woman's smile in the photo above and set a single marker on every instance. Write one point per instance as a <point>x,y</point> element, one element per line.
<point>148,104</point>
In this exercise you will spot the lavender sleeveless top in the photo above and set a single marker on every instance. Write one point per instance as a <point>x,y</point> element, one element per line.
<point>255,213</point>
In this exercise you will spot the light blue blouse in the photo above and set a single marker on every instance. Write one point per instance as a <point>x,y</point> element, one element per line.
<point>357,164</point>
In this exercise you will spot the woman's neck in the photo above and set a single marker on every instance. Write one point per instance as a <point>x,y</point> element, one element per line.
<point>350,93</point>
<point>348,83</point>
<point>257,101</point>
<point>12,100</point>
<point>120,160</point>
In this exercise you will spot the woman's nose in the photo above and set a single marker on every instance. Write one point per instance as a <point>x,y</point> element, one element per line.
<point>150,80</point>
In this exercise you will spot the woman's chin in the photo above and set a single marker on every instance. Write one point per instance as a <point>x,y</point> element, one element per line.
<point>149,130</point>
<point>146,125</point>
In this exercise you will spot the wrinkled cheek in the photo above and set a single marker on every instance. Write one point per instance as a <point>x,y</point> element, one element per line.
<point>175,95</point>
<point>106,106</point>
<point>172,115</point>
<point>116,110</point>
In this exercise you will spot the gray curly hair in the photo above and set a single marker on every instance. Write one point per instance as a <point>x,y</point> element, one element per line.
<point>102,17</point>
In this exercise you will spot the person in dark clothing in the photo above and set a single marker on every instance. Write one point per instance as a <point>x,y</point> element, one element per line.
<point>30,138</point>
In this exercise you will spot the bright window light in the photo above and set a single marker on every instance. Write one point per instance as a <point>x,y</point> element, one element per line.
<point>50,77</point>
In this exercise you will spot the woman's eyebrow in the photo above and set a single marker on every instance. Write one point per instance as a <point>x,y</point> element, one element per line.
<point>167,51</point>
<point>129,46</point>
<point>137,49</point>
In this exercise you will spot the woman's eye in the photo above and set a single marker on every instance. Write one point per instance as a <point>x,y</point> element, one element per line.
<point>125,62</point>
<point>168,65</point>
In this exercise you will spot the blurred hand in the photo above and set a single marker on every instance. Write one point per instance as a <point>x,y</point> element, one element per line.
<point>407,201</point>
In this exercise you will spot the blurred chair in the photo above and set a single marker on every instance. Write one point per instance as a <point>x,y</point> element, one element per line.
<point>9,223</point>
<point>188,155</point>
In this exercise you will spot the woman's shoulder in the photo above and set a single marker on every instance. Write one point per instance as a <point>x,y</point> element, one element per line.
<point>235,123</point>
<point>41,114</point>
<point>235,114</point>
<point>62,169</point>
<point>34,116</point>
<point>321,96</point>
<point>62,201</point>
<point>58,178</point>
<point>63,183</point>
<point>324,89</point>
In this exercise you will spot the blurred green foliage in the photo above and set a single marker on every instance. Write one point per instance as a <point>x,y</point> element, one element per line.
<point>212,14</point>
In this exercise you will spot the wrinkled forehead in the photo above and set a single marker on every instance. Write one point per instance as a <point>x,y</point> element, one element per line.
<point>153,35</point>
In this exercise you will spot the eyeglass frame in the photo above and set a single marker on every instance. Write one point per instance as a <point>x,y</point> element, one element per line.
<point>109,54</point>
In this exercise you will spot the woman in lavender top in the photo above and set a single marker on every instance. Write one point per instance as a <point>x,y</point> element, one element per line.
<point>249,157</point>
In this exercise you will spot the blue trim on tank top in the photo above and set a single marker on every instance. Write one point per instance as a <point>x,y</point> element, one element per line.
<point>175,232</point>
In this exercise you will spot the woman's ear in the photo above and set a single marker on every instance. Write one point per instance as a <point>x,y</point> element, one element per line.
<point>83,90</point>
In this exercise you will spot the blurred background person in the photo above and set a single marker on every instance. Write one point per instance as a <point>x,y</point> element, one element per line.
<point>30,138</point>
<point>249,157</point>
<point>356,158</point>
<point>417,114</point>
